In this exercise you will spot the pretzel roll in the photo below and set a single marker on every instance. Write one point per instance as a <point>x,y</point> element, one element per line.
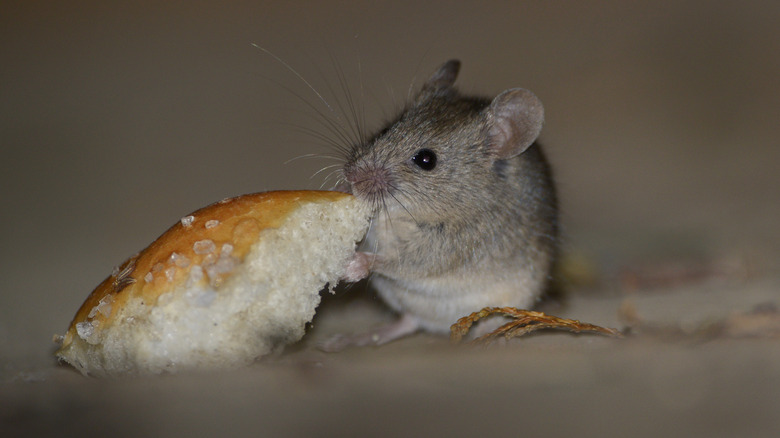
<point>225,285</point>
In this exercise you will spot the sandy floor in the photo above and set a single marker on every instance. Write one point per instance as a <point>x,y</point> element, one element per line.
<point>662,126</point>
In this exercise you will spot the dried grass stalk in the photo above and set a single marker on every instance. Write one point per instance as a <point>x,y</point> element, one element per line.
<point>523,322</point>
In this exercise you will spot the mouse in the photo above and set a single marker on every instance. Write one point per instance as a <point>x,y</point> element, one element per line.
<point>465,208</point>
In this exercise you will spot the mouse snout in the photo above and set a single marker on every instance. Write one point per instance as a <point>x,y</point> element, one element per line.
<point>367,181</point>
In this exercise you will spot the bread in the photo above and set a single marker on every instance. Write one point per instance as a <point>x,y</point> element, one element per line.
<point>227,284</point>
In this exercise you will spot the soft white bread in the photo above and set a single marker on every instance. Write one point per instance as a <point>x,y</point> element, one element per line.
<point>227,284</point>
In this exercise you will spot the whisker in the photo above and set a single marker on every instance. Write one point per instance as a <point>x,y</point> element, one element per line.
<point>335,127</point>
<point>362,120</point>
<point>330,175</point>
<point>295,72</point>
<point>333,123</point>
<point>310,156</point>
<point>324,169</point>
<point>401,204</point>
<point>320,137</point>
<point>348,108</point>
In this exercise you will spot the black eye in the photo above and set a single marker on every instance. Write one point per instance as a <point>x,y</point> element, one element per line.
<point>425,159</point>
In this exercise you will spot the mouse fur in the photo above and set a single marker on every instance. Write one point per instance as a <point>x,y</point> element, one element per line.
<point>465,206</point>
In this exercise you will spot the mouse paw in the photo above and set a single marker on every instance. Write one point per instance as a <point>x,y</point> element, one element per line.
<point>359,267</point>
<point>404,326</point>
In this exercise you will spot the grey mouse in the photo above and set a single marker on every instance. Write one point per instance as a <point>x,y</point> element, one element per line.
<point>465,208</point>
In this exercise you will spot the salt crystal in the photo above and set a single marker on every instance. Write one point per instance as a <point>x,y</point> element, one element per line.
<point>115,271</point>
<point>209,259</point>
<point>204,247</point>
<point>212,223</point>
<point>85,330</point>
<point>149,277</point>
<point>227,249</point>
<point>157,268</point>
<point>92,312</point>
<point>180,260</point>
<point>211,271</point>
<point>105,309</point>
<point>196,275</point>
<point>225,264</point>
<point>169,273</point>
<point>187,220</point>
<point>104,306</point>
<point>222,266</point>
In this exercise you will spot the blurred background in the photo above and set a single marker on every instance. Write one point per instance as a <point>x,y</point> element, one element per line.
<point>118,118</point>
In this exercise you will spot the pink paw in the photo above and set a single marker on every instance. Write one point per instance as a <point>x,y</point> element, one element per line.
<point>359,267</point>
<point>403,326</point>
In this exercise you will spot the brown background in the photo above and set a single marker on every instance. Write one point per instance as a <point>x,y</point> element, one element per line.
<point>662,125</point>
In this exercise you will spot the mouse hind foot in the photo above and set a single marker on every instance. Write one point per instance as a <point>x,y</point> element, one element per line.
<point>404,326</point>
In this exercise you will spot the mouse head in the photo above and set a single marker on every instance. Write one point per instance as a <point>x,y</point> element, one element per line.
<point>443,148</point>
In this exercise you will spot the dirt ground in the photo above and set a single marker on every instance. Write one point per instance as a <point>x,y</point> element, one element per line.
<point>661,124</point>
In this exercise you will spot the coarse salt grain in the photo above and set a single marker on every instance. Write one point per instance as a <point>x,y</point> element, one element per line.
<point>180,260</point>
<point>212,223</point>
<point>204,247</point>
<point>149,277</point>
<point>209,259</point>
<point>196,275</point>
<point>222,266</point>
<point>187,220</point>
<point>85,329</point>
<point>169,273</point>
<point>104,306</point>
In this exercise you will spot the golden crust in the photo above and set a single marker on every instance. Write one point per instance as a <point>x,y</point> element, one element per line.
<point>158,268</point>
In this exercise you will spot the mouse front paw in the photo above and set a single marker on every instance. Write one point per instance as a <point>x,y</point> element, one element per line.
<point>359,267</point>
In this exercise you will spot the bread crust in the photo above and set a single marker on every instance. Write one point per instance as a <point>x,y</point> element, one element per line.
<point>197,239</point>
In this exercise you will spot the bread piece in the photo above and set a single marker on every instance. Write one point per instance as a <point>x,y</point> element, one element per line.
<point>227,284</point>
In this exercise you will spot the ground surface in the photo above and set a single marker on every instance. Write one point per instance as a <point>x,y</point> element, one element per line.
<point>661,125</point>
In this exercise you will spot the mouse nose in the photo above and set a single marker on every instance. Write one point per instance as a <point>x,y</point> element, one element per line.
<point>368,181</point>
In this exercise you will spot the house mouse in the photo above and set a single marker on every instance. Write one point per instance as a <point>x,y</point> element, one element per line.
<point>465,208</point>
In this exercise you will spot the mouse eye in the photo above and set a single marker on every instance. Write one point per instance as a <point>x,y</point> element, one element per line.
<point>425,159</point>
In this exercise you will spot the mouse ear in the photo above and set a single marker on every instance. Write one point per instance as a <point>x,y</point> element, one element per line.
<point>515,119</point>
<point>444,77</point>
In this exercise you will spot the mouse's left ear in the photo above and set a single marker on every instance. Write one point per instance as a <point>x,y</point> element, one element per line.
<point>442,79</point>
<point>515,119</point>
